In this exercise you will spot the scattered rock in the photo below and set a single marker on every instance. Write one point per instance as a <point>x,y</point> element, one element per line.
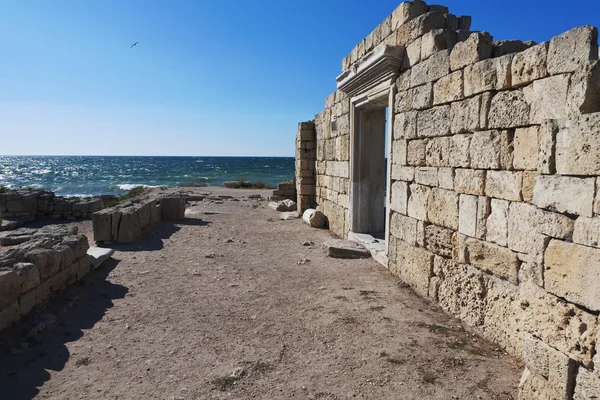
<point>303,261</point>
<point>11,224</point>
<point>238,372</point>
<point>98,255</point>
<point>283,205</point>
<point>308,244</point>
<point>289,215</point>
<point>230,240</point>
<point>338,248</point>
<point>255,196</point>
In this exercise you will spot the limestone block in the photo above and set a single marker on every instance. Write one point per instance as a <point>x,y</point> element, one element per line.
<point>578,146</point>
<point>418,201</point>
<point>492,150</point>
<point>405,125</point>
<point>446,178</point>
<point>64,255</point>
<point>422,96</point>
<point>172,209</point>
<point>584,90</point>
<point>597,201</point>
<point>459,248</point>
<point>570,329</point>
<point>438,240</point>
<point>461,291</point>
<point>399,148</point>
<point>403,101</point>
<point>493,259</point>
<point>467,216</point>
<point>421,225</point>
<point>469,181</point>
<point>587,385</point>
<point>399,197</point>
<point>415,154</point>
<point>530,65</point>
<point>403,81</point>
<point>448,151</point>
<point>432,69</point>
<point>497,223</point>
<point>419,26</point>
<point>528,185</point>
<point>547,98</point>
<point>547,146</point>
<point>448,88</point>
<point>416,266</point>
<point>491,74</point>
<point>477,47</point>
<point>29,275</point>
<point>129,228</point>
<point>466,115</point>
<point>434,122</point>
<point>503,47</point>
<point>570,50</point>
<point>504,185</point>
<point>407,11</point>
<point>508,109</point>
<point>426,176</point>
<point>572,273</point>
<point>413,53</point>
<point>587,231</point>
<point>442,208</point>
<point>102,222</point>
<point>404,228</point>
<point>436,40</point>
<point>10,287</point>
<point>338,168</point>
<point>564,194</point>
<point>404,173</point>
<point>9,315</point>
<point>342,148</point>
<point>48,261</point>
<point>464,23</point>
<point>526,146</point>
<point>78,243</point>
<point>483,211</point>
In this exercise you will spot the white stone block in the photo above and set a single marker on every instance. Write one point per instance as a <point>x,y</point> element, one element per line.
<point>564,194</point>
<point>497,222</point>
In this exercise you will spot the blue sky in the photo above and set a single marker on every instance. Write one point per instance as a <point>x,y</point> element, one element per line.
<point>208,77</point>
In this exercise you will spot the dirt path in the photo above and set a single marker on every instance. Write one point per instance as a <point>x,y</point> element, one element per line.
<point>234,306</point>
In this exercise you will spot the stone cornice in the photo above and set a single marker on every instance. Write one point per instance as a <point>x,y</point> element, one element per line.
<point>383,64</point>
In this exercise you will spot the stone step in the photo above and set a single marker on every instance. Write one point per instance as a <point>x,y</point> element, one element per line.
<point>98,255</point>
<point>338,248</point>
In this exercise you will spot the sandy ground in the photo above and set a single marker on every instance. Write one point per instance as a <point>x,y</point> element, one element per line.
<point>241,305</point>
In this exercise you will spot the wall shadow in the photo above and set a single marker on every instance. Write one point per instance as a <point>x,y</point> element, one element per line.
<point>37,344</point>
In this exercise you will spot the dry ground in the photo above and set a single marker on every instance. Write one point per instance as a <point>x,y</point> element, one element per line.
<point>237,306</point>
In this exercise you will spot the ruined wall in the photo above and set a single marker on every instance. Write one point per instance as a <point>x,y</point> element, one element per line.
<point>32,204</point>
<point>495,165</point>
<point>306,154</point>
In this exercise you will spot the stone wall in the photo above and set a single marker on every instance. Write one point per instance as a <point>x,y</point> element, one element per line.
<point>33,272</point>
<point>306,155</point>
<point>494,178</point>
<point>284,191</point>
<point>32,204</point>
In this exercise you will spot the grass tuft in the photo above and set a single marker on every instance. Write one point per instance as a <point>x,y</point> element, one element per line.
<point>133,193</point>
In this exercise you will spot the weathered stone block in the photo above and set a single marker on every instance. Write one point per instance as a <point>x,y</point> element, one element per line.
<point>587,231</point>
<point>448,89</point>
<point>29,275</point>
<point>416,266</point>
<point>526,145</point>
<point>399,148</point>
<point>10,287</point>
<point>564,194</point>
<point>405,125</point>
<point>503,47</point>
<point>432,69</point>
<point>547,98</point>
<point>407,11</point>
<point>434,122</point>
<point>448,151</point>
<point>467,215</point>
<point>572,273</point>
<point>422,96</point>
<point>497,223</point>
<point>438,240</point>
<point>570,329</point>
<point>446,178</point>
<point>492,150</point>
<point>399,197</point>
<point>530,65</point>
<point>404,173</point>
<point>469,181</point>
<point>493,259</point>
<point>442,208</point>
<point>129,228</point>
<point>570,50</point>
<point>403,101</point>
<point>476,48</point>
<point>172,209</point>
<point>102,222</point>
<point>492,74</point>
<point>547,146</point>
<point>78,243</point>
<point>417,202</point>
<point>587,385</point>
<point>413,53</point>
<point>578,146</point>
<point>508,109</point>
<point>48,261</point>
<point>504,185</point>
<point>419,26</point>
<point>415,153</point>
<point>404,228</point>
<point>9,315</point>
<point>528,185</point>
<point>436,40</point>
<point>65,255</point>
<point>466,115</point>
<point>426,176</point>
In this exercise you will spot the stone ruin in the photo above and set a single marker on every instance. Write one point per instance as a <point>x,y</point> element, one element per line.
<point>490,205</point>
<point>284,191</point>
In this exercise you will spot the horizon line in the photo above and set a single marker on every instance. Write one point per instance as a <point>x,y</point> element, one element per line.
<point>106,155</point>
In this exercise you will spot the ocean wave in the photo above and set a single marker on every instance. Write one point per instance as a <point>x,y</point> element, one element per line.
<point>129,186</point>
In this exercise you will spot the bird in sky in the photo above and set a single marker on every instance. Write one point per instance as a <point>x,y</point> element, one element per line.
<point>135,44</point>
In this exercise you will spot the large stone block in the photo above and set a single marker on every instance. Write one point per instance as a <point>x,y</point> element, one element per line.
<point>448,151</point>
<point>570,50</point>
<point>442,208</point>
<point>497,223</point>
<point>469,181</point>
<point>504,185</point>
<point>572,273</point>
<point>446,178</point>
<point>9,315</point>
<point>578,146</point>
<point>570,329</point>
<point>403,173</point>
<point>477,47</point>
<point>438,240</point>
<point>422,96</point>
<point>404,228</point>
<point>587,385</point>
<point>492,150</point>
<point>399,197</point>
<point>528,185</point>
<point>407,11</point>
<point>426,176</point>
<point>48,261</point>
<point>508,109</point>
<point>466,115</point>
<point>129,228</point>
<point>467,215</point>
<point>419,26</point>
<point>29,275</point>
<point>415,153</point>
<point>432,69</point>
<point>526,145</point>
<point>448,89</point>
<point>413,53</point>
<point>502,318</point>
<point>417,202</point>
<point>403,101</point>
<point>564,194</point>
<point>405,125</point>
<point>10,287</point>
<point>436,40</point>
<point>416,266</point>
<point>492,74</point>
<point>434,122</point>
<point>102,222</point>
<point>547,98</point>
<point>78,243</point>
<point>493,259</point>
<point>587,231</point>
<point>399,148</point>
<point>530,65</point>
<point>172,208</point>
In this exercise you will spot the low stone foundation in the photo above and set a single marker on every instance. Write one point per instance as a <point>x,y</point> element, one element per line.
<point>33,272</point>
<point>284,191</point>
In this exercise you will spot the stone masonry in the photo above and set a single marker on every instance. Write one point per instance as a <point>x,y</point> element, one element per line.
<point>305,165</point>
<point>493,203</point>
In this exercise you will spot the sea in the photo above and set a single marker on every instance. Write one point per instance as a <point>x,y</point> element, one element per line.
<point>95,175</point>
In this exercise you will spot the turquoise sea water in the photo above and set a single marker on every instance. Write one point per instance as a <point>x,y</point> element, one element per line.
<point>92,175</point>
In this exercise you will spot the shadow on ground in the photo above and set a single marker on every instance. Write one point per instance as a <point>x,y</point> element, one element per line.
<point>37,345</point>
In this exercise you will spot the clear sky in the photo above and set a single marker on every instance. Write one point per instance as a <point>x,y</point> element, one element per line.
<point>208,77</point>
